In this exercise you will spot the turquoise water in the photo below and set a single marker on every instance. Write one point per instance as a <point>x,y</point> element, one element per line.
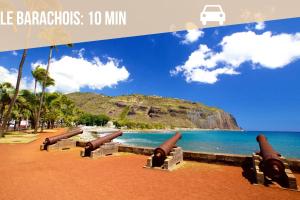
<point>235,142</point>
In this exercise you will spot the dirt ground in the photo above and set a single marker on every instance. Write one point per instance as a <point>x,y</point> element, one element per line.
<point>28,173</point>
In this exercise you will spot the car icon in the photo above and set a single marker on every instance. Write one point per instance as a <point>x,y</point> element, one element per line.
<point>212,13</point>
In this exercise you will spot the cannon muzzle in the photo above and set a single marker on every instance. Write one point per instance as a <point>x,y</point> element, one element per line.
<point>272,166</point>
<point>161,152</point>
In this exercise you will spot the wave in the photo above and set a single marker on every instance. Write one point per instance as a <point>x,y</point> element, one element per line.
<point>134,141</point>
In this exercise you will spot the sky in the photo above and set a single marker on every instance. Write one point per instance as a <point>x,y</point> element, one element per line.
<point>249,70</point>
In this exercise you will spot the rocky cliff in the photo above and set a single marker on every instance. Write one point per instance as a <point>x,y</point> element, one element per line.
<point>169,112</point>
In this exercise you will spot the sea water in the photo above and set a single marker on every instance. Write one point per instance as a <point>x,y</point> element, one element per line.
<point>233,142</point>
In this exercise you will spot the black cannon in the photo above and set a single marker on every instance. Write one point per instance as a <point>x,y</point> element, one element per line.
<point>271,164</point>
<point>161,152</point>
<point>95,144</point>
<point>54,139</point>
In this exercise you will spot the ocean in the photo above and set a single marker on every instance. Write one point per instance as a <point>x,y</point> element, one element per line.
<point>233,142</point>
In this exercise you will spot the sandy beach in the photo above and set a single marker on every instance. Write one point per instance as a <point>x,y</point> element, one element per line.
<point>28,173</point>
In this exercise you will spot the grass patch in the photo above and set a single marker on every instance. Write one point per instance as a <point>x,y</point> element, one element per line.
<point>18,138</point>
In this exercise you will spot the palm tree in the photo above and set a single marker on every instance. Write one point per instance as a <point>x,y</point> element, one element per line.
<point>50,82</point>
<point>20,110</point>
<point>44,86</point>
<point>38,74</point>
<point>8,113</point>
<point>6,94</point>
<point>32,101</point>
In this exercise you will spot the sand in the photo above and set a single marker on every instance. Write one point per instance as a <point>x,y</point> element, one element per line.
<point>28,173</point>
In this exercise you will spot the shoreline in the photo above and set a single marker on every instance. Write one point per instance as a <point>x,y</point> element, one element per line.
<point>173,130</point>
<point>100,129</point>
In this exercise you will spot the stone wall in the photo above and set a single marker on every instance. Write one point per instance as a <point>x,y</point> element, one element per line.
<point>218,158</point>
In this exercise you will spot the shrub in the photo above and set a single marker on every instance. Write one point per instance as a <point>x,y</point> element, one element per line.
<point>92,120</point>
<point>137,125</point>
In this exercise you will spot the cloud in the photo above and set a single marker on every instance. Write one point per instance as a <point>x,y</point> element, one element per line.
<point>79,52</point>
<point>260,26</point>
<point>190,36</point>
<point>262,50</point>
<point>72,73</point>
<point>10,75</point>
<point>15,53</point>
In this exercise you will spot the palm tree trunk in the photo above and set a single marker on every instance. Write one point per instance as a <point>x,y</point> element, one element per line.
<point>12,103</point>
<point>35,83</point>
<point>15,125</point>
<point>43,91</point>
<point>2,111</point>
<point>19,124</point>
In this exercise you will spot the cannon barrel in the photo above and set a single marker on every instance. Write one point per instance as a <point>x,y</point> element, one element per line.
<point>161,152</point>
<point>54,139</point>
<point>92,145</point>
<point>272,165</point>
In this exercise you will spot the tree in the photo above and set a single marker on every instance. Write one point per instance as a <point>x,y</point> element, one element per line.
<point>20,111</point>
<point>91,120</point>
<point>6,94</point>
<point>8,113</point>
<point>32,102</point>
<point>44,86</point>
<point>38,74</point>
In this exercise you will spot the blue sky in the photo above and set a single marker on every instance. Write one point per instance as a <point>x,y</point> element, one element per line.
<point>260,88</point>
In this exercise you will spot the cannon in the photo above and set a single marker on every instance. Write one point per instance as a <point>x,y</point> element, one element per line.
<point>167,155</point>
<point>93,148</point>
<point>57,138</point>
<point>272,165</point>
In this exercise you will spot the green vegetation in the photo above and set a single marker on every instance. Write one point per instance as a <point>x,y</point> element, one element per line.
<point>7,114</point>
<point>138,125</point>
<point>46,82</point>
<point>50,109</point>
<point>57,110</point>
<point>124,113</point>
<point>92,120</point>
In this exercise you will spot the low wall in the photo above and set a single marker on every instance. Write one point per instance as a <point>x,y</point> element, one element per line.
<point>217,158</point>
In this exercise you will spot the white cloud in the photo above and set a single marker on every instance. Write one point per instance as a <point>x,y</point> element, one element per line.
<point>79,52</point>
<point>176,34</point>
<point>15,53</point>
<point>260,26</point>
<point>190,36</point>
<point>71,73</point>
<point>262,50</point>
<point>10,75</point>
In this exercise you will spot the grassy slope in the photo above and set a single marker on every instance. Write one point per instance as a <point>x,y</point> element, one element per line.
<point>97,104</point>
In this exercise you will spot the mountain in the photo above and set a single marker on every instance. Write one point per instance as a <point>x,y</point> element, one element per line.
<point>153,110</point>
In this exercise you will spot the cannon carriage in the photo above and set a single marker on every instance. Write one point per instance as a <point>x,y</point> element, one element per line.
<point>62,141</point>
<point>101,146</point>
<point>269,165</point>
<point>167,155</point>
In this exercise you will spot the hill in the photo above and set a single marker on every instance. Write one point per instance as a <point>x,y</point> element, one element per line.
<point>155,111</point>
